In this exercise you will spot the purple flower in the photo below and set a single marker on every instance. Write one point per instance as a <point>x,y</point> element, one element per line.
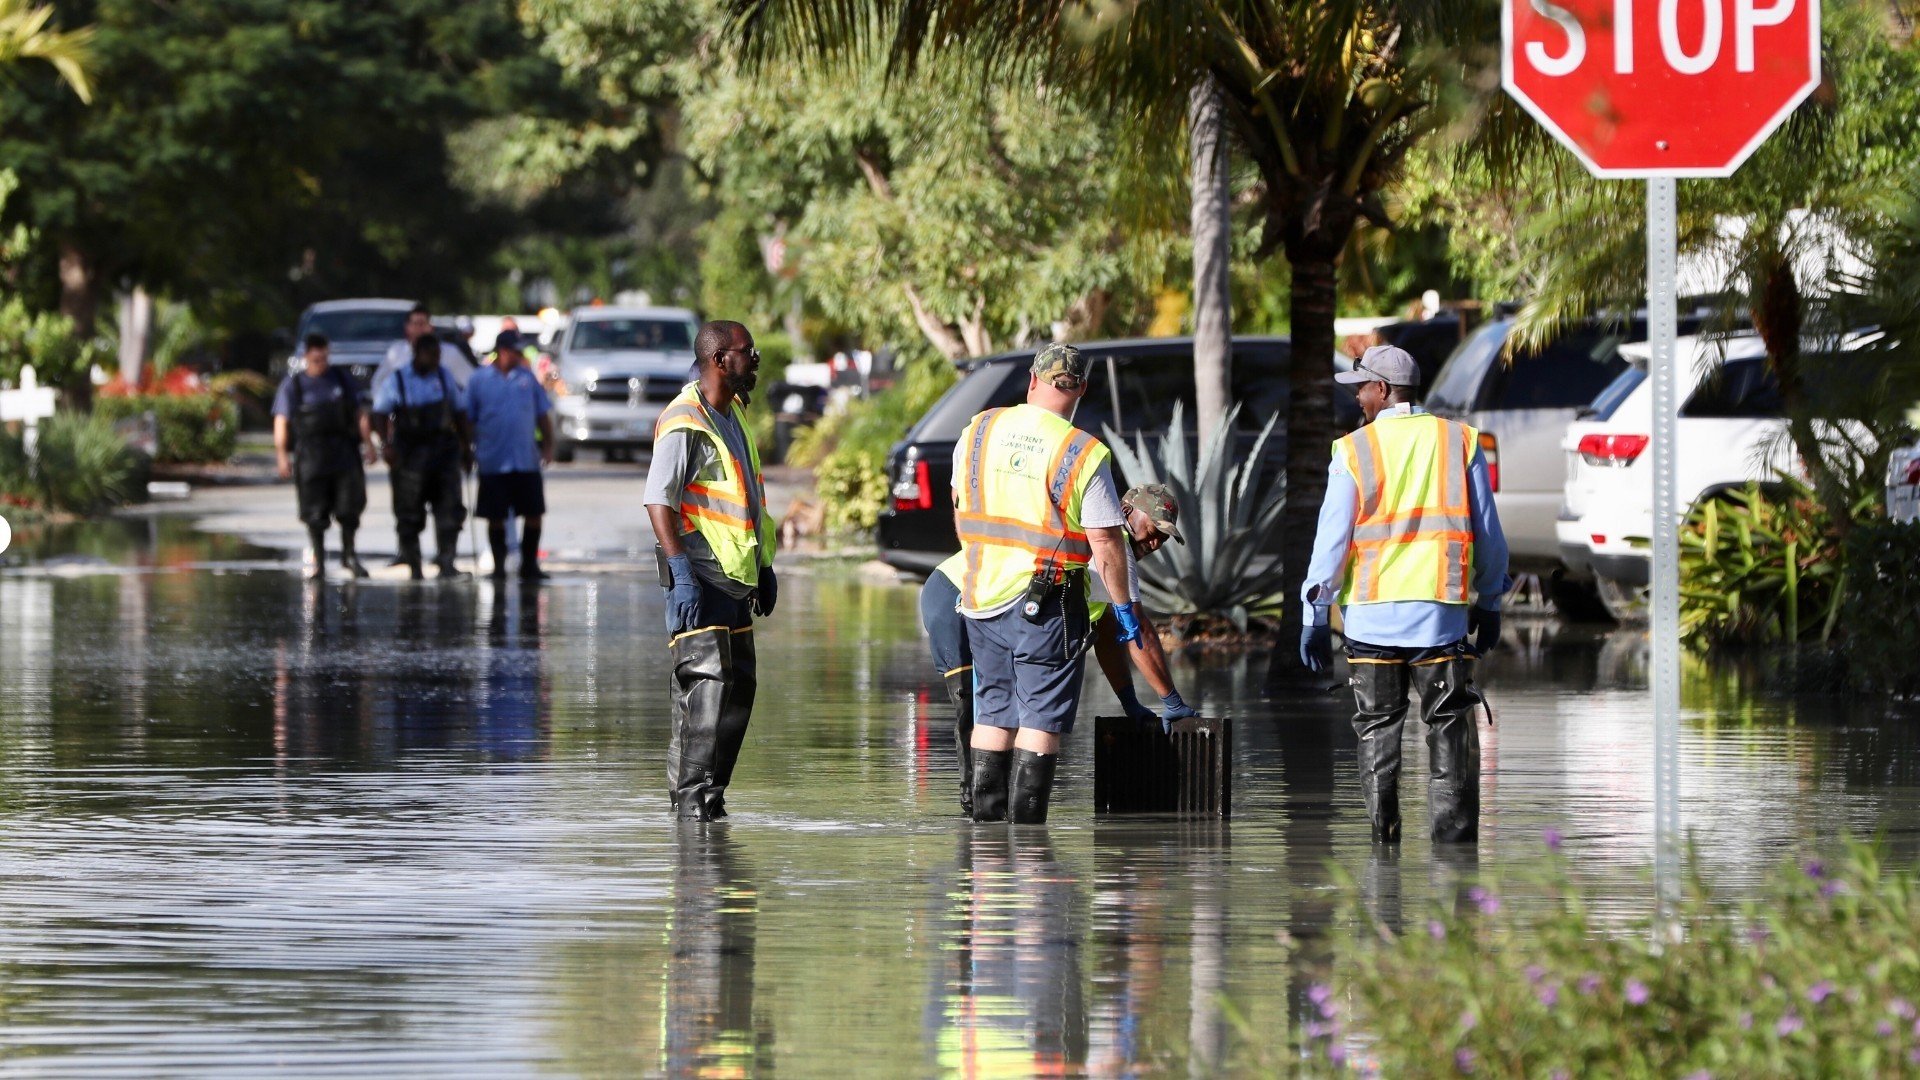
<point>1560,1074</point>
<point>1535,973</point>
<point>1336,1054</point>
<point>1699,1074</point>
<point>1468,1021</point>
<point>1464,1059</point>
<point>1319,993</point>
<point>1757,935</point>
<point>1484,900</point>
<point>1913,1056</point>
<point>1815,868</point>
<point>1327,1009</point>
<point>1831,889</point>
<point>1549,995</point>
<point>1636,992</point>
<point>1746,1021</point>
<point>1900,1008</point>
<point>1436,930</point>
<point>1916,1029</point>
<point>1884,1029</point>
<point>1788,1024</point>
<point>1318,1030</point>
<point>1589,983</point>
<point>1820,991</point>
<point>1552,837</point>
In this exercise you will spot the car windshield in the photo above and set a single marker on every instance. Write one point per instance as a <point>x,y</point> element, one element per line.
<point>608,335</point>
<point>1607,402</point>
<point>359,325</point>
<point>988,386</point>
<point>1455,387</point>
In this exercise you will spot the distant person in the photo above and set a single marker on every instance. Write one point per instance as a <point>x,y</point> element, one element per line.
<point>1151,516</point>
<point>423,414</point>
<point>400,353</point>
<point>1410,546</point>
<point>512,441</point>
<point>320,419</point>
<point>708,506</point>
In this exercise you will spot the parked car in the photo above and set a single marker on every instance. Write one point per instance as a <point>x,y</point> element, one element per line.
<point>359,332</point>
<point>1903,484</point>
<point>618,367</point>
<point>1521,405</point>
<point>1133,387</point>
<point>1731,431</point>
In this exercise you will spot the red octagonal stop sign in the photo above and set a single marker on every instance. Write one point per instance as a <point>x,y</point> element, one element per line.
<point>1661,87</point>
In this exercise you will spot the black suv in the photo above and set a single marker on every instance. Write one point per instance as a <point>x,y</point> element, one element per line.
<point>1132,388</point>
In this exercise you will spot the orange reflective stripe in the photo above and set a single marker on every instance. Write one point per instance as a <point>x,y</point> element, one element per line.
<point>720,494</point>
<point>694,510</point>
<point>1414,538</point>
<point>1373,486</point>
<point>1080,444</point>
<point>980,428</point>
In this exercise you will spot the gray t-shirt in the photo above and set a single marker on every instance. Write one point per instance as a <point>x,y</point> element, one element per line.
<point>682,458</point>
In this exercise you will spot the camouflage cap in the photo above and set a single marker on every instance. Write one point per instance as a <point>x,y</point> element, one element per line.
<point>1156,501</point>
<point>1061,366</point>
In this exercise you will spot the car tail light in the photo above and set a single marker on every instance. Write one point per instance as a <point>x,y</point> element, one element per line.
<point>1613,451</point>
<point>914,489</point>
<point>1490,449</point>
<point>1598,538</point>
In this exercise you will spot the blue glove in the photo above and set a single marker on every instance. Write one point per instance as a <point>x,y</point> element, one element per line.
<point>1316,648</point>
<point>1130,701</point>
<point>1483,627</point>
<point>1129,625</point>
<point>1176,707</point>
<point>683,598</point>
<point>767,592</point>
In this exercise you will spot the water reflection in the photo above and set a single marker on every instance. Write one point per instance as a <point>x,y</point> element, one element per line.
<point>712,1027</point>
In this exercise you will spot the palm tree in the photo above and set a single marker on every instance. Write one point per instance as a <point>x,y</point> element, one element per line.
<point>1212,227</point>
<point>1324,96</point>
<point>24,35</point>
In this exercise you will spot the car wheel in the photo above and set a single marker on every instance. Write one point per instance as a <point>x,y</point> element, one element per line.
<point>1577,600</point>
<point>1625,602</point>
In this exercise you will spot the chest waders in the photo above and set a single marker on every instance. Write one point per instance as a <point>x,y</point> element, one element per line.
<point>327,474</point>
<point>426,474</point>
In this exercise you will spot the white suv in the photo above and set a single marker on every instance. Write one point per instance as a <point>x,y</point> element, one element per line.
<point>1730,432</point>
<point>618,369</point>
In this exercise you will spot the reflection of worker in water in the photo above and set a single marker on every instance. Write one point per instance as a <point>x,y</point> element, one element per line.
<point>429,444</point>
<point>1012,1004</point>
<point>320,419</point>
<point>506,711</point>
<point>708,505</point>
<point>711,1027</point>
<point>1151,517</point>
<point>1408,534</point>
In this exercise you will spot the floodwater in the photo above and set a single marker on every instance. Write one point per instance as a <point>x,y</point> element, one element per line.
<point>252,826</point>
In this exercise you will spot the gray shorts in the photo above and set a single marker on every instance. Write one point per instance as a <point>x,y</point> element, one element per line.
<point>1028,675</point>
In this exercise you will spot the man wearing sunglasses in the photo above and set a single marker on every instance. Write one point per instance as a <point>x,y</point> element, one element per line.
<point>1409,545</point>
<point>708,505</point>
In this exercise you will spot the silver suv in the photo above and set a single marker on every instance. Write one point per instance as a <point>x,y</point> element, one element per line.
<point>618,368</point>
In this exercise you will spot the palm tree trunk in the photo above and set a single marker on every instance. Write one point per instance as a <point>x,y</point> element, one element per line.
<point>1310,429</point>
<point>80,303</point>
<point>1778,314</point>
<point>1212,225</point>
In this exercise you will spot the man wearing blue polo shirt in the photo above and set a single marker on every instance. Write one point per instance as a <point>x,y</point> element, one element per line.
<point>508,407</point>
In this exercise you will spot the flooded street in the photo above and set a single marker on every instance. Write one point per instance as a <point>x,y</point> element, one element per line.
<point>254,826</point>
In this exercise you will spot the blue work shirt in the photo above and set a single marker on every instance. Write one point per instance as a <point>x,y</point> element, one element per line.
<point>506,410</point>
<point>421,390</point>
<point>1409,623</point>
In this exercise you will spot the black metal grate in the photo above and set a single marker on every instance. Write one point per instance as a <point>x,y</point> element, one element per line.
<point>1138,769</point>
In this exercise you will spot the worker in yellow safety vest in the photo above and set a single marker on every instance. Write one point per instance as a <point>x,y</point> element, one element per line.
<point>708,505</point>
<point>1409,545</point>
<point>1034,504</point>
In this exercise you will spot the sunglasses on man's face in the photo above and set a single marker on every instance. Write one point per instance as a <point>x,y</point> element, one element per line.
<point>752,354</point>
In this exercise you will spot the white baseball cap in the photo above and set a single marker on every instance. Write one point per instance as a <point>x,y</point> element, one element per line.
<point>1382,363</point>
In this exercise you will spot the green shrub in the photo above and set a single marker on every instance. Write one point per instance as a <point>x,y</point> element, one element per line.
<point>84,465</point>
<point>1883,595</point>
<point>1762,566</point>
<point>193,428</point>
<point>850,449</point>
<point>1819,978</point>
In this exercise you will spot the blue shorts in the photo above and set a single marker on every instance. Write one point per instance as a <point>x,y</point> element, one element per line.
<point>1025,674</point>
<point>946,627</point>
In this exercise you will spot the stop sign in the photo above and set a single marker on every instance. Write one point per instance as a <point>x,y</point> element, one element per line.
<point>1660,87</point>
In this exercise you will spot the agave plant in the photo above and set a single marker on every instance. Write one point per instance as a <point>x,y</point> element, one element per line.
<point>1230,509</point>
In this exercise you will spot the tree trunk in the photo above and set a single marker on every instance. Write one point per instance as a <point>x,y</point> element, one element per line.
<point>1310,428</point>
<point>1778,315</point>
<point>1212,226</point>
<point>80,303</point>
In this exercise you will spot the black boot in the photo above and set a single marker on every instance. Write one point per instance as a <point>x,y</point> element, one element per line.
<point>990,768</point>
<point>447,549</point>
<point>349,558</point>
<point>317,538</point>
<point>1380,712</point>
<point>497,540</point>
<point>1447,699</point>
<point>700,664</point>
<point>410,554</point>
<point>530,553</point>
<point>1032,786</point>
<point>742,682</point>
<point>960,692</point>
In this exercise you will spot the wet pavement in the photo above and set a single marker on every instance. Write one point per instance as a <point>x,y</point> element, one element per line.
<point>252,826</point>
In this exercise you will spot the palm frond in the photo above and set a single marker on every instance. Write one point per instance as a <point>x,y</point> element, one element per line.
<point>25,35</point>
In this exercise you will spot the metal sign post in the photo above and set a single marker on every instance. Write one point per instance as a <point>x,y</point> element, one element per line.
<point>1662,317</point>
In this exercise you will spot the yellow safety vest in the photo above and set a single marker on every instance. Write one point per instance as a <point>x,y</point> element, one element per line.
<point>1412,531</point>
<point>1024,472</point>
<point>731,514</point>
